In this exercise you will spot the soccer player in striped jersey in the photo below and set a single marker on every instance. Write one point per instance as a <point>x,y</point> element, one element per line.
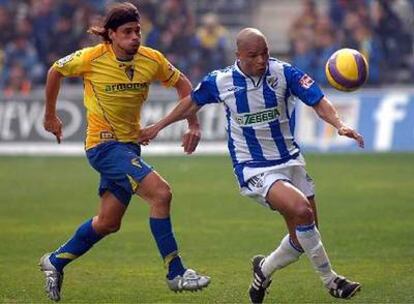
<point>117,74</point>
<point>259,95</point>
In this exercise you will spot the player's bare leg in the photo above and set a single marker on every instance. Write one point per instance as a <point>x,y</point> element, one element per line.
<point>156,191</point>
<point>299,214</point>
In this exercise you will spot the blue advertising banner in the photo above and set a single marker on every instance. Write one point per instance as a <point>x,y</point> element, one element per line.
<point>385,117</point>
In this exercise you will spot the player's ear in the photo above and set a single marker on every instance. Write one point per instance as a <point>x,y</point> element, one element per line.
<point>111,34</point>
<point>237,54</point>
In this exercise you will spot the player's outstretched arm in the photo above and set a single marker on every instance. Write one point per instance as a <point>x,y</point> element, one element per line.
<point>185,108</point>
<point>328,113</point>
<point>192,136</point>
<point>51,121</point>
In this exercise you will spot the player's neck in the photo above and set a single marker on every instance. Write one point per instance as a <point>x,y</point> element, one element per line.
<point>120,54</point>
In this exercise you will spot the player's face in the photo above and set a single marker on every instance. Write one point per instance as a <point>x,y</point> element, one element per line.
<point>127,38</point>
<point>253,57</point>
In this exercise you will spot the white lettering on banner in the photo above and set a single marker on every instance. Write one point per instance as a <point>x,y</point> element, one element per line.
<point>18,119</point>
<point>28,116</point>
<point>8,113</point>
<point>391,110</point>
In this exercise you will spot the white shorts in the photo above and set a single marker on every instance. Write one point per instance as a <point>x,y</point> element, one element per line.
<point>258,186</point>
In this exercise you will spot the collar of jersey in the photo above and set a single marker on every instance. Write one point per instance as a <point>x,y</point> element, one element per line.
<point>236,66</point>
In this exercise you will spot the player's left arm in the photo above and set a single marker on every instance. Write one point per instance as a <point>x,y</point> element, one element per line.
<point>304,87</point>
<point>192,136</point>
<point>328,113</point>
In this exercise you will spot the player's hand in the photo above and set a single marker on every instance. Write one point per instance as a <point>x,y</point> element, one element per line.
<point>351,133</point>
<point>147,134</point>
<point>191,138</point>
<point>53,124</point>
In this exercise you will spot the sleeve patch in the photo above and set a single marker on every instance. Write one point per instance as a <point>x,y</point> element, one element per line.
<point>61,62</point>
<point>306,81</point>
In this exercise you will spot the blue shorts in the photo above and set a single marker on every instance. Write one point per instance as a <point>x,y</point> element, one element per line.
<point>120,166</point>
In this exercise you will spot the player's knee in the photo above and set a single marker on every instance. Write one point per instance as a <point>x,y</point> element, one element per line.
<point>304,214</point>
<point>108,227</point>
<point>161,202</point>
<point>164,195</point>
<point>112,228</point>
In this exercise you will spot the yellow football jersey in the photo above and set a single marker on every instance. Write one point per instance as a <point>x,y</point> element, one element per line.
<point>114,90</point>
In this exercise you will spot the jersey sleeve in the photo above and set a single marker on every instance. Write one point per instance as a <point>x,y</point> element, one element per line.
<point>74,64</point>
<point>166,73</point>
<point>206,91</point>
<point>302,85</point>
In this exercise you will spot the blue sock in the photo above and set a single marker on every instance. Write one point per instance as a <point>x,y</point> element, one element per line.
<point>162,231</point>
<point>83,240</point>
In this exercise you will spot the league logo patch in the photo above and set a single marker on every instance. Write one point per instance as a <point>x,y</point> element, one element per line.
<point>306,81</point>
<point>61,62</point>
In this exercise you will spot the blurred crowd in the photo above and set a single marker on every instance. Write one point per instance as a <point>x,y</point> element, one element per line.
<point>383,30</point>
<point>35,33</point>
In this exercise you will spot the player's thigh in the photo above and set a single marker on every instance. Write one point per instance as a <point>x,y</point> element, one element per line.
<point>284,197</point>
<point>154,189</point>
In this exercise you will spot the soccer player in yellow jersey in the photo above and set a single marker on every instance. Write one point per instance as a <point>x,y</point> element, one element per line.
<point>117,74</point>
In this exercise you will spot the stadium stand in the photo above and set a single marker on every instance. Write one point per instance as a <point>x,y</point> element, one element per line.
<point>197,35</point>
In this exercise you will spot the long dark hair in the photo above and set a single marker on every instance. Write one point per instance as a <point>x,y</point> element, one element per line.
<point>118,15</point>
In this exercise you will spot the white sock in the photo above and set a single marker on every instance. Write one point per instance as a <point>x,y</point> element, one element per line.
<point>310,240</point>
<point>284,255</point>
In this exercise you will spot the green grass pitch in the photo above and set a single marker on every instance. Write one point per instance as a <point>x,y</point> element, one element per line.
<point>366,210</point>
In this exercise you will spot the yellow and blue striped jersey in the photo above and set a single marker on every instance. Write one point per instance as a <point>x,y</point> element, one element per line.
<point>114,91</point>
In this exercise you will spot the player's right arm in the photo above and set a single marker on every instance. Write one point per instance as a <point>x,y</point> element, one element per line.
<point>206,92</point>
<point>51,121</point>
<point>75,64</point>
<point>184,109</point>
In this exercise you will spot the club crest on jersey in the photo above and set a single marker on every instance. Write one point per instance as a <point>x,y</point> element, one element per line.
<point>272,82</point>
<point>136,163</point>
<point>129,71</point>
<point>306,81</point>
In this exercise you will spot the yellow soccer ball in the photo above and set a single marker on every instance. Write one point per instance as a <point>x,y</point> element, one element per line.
<point>346,70</point>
